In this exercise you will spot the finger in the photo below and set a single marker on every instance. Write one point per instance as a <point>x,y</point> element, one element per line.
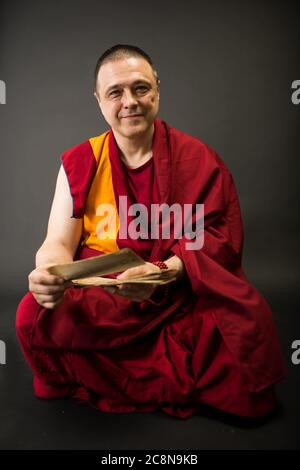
<point>51,305</point>
<point>48,290</point>
<point>133,272</point>
<point>49,298</point>
<point>45,279</point>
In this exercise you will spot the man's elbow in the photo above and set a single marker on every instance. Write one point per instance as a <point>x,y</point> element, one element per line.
<point>52,252</point>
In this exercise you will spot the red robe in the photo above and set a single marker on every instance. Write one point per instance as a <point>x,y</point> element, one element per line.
<point>212,342</point>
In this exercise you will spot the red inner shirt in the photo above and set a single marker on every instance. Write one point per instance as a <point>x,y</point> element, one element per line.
<point>141,185</point>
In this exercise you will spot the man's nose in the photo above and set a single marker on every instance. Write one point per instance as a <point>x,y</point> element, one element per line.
<point>129,99</point>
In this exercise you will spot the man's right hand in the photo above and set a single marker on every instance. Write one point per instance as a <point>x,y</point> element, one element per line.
<point>47,289</point>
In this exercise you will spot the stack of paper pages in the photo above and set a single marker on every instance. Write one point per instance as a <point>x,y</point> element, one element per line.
<point>88,272</point>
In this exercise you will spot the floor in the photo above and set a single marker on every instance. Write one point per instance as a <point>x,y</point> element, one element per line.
<point>30,423</point>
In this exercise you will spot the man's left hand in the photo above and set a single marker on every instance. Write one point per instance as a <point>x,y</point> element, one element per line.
<point>137,291</point>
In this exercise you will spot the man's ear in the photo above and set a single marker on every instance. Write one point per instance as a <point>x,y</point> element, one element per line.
<point>96,96</point>
<point>158,88</point>
<point>98,99</point>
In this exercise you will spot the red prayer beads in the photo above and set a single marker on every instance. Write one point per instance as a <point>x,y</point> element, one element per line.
<point>160,264</point>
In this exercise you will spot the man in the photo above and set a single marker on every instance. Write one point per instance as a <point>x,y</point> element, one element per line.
<point>207,339</point>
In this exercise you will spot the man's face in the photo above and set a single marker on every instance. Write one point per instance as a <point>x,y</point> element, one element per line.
<point>128,95</point>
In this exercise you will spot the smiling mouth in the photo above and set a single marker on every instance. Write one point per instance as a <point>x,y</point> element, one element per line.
<point>132,116</point>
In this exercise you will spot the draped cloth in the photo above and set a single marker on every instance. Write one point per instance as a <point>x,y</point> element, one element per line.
<point>213,341</point>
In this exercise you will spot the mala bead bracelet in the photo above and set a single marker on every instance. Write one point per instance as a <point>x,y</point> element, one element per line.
<point>160,264</point>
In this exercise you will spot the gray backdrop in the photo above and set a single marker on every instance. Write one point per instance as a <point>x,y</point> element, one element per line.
<point>226,69</point>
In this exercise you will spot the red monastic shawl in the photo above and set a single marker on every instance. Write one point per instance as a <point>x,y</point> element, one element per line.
<point>187,172</point>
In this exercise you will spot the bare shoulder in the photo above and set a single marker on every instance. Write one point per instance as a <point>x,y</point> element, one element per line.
<point>62,226</point>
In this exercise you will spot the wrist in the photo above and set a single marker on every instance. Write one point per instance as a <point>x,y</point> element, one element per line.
<point>161,265</point>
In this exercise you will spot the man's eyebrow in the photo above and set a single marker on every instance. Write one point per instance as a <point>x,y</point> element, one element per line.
<point>119,85</point>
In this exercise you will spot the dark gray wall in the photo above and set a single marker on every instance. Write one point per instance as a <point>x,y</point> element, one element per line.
<point>226,70</point>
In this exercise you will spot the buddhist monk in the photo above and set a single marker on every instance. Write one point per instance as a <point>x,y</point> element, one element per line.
<point>208,337</point>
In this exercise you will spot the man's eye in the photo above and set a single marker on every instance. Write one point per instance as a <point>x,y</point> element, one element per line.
<point>141,89</point>
<point>114,93</point>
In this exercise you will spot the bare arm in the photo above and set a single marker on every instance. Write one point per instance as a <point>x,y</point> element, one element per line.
<point>61,242</point>
<point>63,232</point>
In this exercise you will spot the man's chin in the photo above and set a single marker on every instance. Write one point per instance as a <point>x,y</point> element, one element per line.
<point>134,129</point>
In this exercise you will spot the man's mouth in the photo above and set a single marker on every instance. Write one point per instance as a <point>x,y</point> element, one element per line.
<point>131,116</point>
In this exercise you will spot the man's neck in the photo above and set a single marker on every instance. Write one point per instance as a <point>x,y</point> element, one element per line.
<point>137,150</point>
